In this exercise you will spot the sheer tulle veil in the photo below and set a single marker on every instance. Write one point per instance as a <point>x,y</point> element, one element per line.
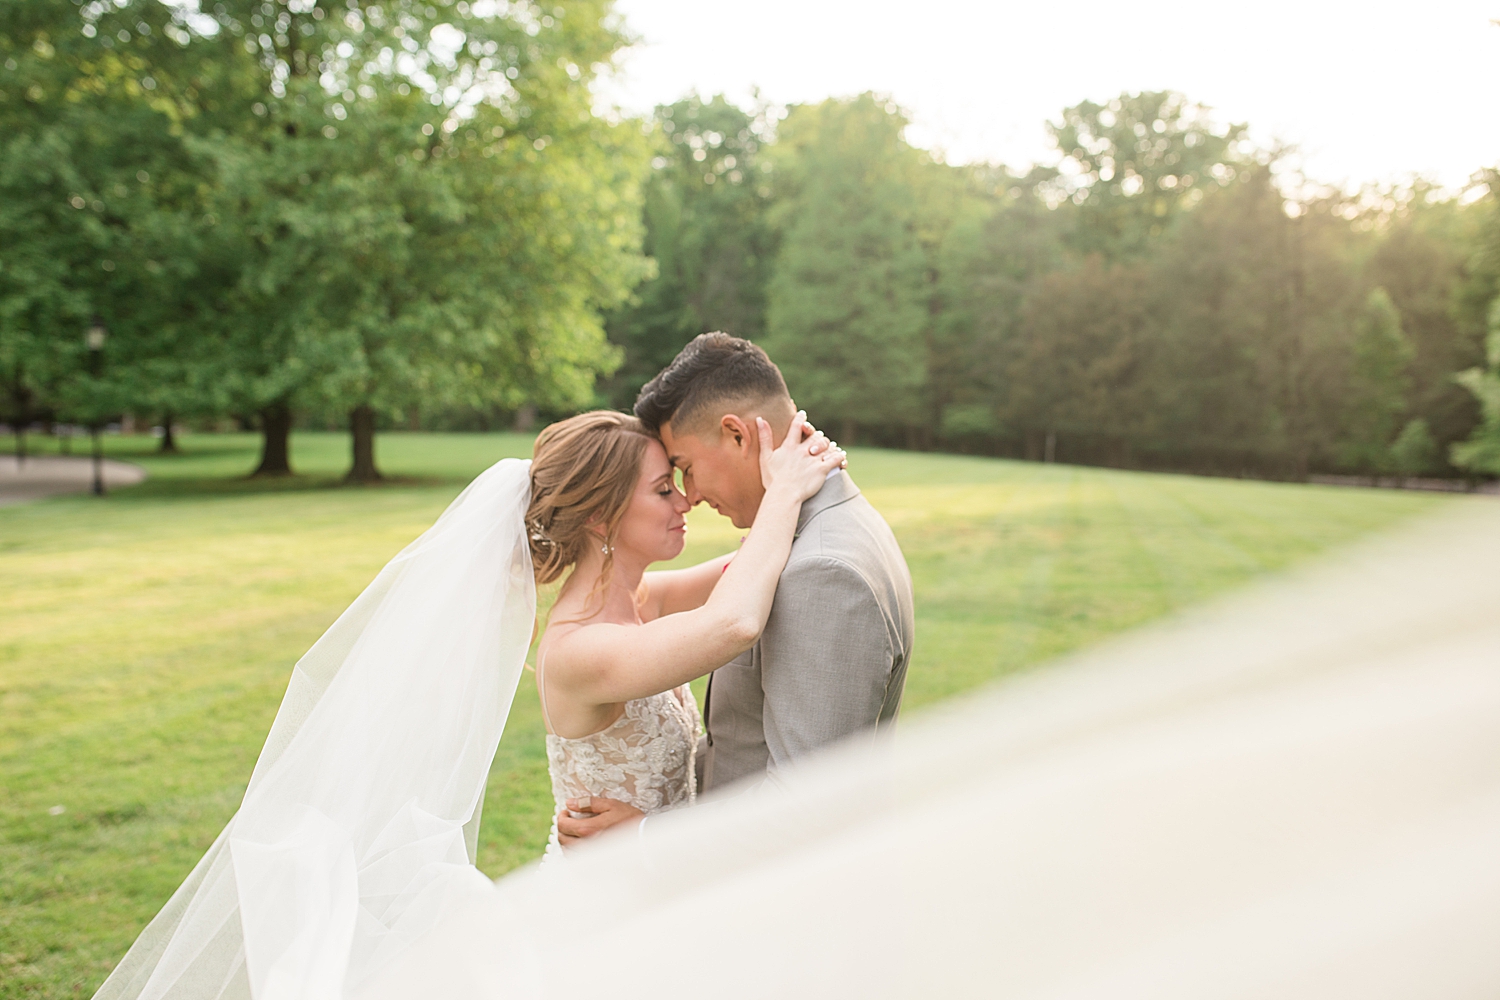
<point>358,830</point>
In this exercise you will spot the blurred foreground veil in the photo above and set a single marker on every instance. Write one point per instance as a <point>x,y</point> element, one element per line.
<point>1294,793</point>
<point>358,829</point>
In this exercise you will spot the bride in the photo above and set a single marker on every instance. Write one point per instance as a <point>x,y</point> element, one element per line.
<point>358,829</point>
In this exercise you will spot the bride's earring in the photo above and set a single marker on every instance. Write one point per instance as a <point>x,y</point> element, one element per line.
<point>607,548</point>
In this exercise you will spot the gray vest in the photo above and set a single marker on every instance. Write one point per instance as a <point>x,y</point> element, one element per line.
<point>832,660</point>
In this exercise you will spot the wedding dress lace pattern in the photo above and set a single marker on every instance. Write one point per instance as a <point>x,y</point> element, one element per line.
<point>645,757</point>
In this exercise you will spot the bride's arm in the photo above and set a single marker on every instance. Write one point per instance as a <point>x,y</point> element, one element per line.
<point>604,664</point>
<point>666,592</point>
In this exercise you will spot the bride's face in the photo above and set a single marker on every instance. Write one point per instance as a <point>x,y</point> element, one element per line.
<point>653,526</point>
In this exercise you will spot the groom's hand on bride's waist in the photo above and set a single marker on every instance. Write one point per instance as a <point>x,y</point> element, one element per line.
<point>589,817</point>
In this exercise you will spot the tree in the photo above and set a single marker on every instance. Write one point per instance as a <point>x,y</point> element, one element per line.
<point>434,216</point>
<point>988,264</point>
<point>43,249</point>
<point>1421,258</point>
<point>1078,358</point>
<point>1378,384</point>
<point>1481,452</point>
<point>459,217</point>
<point>98,215</point>
<point>1131,164</point>
<point>708,233</point>
<point>1258,305</point>
<point>382,206</point>
<point>1414,451</point>
<point>849,303</point>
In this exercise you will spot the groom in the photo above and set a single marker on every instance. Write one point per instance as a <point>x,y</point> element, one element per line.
<point>832,660</point>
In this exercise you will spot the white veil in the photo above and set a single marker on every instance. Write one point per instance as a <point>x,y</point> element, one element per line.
<point>358,829</point>
<point>1293,793</point>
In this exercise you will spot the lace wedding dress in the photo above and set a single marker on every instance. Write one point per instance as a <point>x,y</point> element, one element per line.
<point>645,757</point>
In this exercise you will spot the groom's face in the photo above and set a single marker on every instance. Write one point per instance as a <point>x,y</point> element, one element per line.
<point>720,466</point>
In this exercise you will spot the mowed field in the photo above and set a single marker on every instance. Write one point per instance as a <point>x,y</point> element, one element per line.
<point>146,639</point>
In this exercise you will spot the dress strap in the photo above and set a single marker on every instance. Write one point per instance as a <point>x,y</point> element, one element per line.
<point>541,690</point>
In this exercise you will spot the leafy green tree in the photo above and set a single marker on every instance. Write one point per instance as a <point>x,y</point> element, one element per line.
<point>1422,259</point>
<point>1258,305</point>
<point>1077,364</point>
<point>99,215</point>
<point>1378,383</point>
<point>1414,451</point>
<point>375,207</point>
<point>990,260</point>
<point>1478,237</point>
<point>430,212</point>
<point>850,299</point>
<point>1132,164</point>
<point>50,257</point>
<point>1481,452</point>
<point>707,230</point>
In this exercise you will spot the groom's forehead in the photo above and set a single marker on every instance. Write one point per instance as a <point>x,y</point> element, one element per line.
<point>676,444</point>
<point>680,454</point>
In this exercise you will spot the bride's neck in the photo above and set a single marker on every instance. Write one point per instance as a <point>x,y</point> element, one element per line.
<point>619,592</point>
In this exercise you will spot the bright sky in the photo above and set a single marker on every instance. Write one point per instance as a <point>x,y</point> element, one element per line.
<point>1368,89</point>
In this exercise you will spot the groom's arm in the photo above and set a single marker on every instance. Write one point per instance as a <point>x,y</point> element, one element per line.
<point>595,815</point>
<point>826,658</point>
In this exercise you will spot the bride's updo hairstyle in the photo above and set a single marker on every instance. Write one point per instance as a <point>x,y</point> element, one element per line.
<point>583,473</point>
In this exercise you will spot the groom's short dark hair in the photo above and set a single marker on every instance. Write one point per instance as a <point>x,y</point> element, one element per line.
<point>714,368</point>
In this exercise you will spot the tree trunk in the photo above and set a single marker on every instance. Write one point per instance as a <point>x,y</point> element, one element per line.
<point>362,426</point>
<point>98,451</point>
<point>168,442</point>
<point>21,397</point>
<point>849,431</point>
<point>276,432</point>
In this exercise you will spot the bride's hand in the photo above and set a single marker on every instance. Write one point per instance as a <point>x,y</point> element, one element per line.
<point>802,461</point>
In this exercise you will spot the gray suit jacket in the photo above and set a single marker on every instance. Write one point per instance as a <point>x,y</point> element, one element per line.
<point>832,659</point>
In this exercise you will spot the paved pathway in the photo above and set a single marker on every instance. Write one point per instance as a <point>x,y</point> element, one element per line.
<point>51,475</point>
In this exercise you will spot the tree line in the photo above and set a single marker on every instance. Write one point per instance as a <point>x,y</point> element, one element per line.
<point>376,213</point>
<point>284,208</point>
<point>1166,297</point>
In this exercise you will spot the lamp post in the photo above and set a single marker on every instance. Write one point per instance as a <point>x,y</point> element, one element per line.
<point>94,338</point>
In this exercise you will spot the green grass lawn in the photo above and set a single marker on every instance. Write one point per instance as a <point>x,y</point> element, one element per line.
<point>146,639</point>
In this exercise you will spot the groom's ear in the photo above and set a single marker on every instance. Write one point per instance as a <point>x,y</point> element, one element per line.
<point>733,428</point>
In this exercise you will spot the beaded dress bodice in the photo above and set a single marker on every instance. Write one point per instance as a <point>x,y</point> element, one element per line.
<point>645,757</point>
